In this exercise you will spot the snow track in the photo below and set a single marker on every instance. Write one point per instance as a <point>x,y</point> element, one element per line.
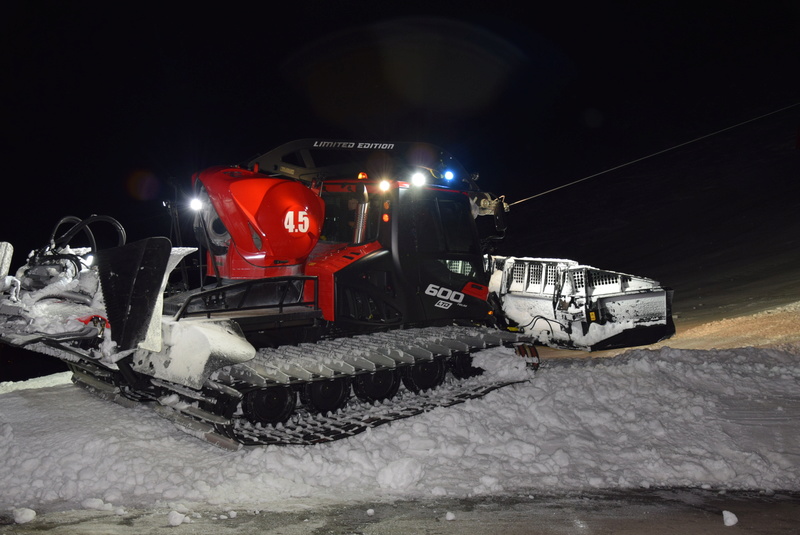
<point>207,414</point>
<point>307,428</point>
<point>223,414</point>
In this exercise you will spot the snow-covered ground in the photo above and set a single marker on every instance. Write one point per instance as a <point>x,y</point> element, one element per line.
<point>721,419</point>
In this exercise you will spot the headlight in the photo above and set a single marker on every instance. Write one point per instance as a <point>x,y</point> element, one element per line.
<point>418,179</point>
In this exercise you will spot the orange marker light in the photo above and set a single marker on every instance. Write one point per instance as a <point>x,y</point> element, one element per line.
<point>362,175</point>
<point>385,218</point>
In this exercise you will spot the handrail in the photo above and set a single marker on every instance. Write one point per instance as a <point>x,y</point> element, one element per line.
<point>247,287</point>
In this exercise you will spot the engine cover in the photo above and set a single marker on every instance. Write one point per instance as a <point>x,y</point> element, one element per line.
<point>257,226</point>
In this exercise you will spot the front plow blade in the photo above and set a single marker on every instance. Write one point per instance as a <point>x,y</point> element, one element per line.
<point>568,305</point>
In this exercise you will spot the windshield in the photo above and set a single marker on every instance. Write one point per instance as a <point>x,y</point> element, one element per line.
<point>441,226</point>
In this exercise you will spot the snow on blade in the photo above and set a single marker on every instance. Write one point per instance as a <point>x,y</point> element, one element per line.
<point>724,419</point>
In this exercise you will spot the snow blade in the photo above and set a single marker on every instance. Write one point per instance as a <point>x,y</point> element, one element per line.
<point>131,277</point>
<point>568,305</point>
<point>635,337</point>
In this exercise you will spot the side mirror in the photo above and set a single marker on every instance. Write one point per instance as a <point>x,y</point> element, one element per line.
<point>500,216</point>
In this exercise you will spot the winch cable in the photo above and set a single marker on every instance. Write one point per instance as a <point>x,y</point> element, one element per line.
<point>654,154</point>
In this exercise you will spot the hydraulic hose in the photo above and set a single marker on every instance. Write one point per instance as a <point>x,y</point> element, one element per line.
<point>83,225</point>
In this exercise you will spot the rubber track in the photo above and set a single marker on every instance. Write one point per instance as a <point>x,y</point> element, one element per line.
<point>305,428</point>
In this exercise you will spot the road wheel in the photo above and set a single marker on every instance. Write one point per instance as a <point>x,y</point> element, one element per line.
<point>461,366</point>
<point>426,375</point>
<point>269,406</point>
<point>377,386</point>
<point>326,396</point>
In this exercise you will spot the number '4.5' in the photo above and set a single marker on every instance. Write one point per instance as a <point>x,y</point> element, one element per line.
<point>296,221</point>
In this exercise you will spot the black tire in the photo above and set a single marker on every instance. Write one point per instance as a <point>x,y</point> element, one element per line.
<point>269,406</point>
<point>426,375</point>
<point>377,386</point>
<point>326,396</point>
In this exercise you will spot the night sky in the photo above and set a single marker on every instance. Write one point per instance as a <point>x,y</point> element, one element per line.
<point>109,108</point>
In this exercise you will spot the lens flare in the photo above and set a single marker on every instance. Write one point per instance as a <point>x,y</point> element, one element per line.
<point>143,185</point>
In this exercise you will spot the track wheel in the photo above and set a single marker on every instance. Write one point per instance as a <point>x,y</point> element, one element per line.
<point>326,396</point>
<point>461,366</point>
<point>377,386</point>
<point>425,375</point>
<point>269,406</point>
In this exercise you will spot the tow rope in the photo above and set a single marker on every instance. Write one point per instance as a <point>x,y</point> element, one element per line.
<point>654,154</point>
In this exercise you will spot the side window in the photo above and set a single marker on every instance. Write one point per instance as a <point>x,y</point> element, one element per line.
<point>457,226</point>
<point>427,227</point>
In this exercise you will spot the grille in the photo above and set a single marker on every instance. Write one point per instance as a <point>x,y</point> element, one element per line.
<point>599,278</point>
<point>535,274</point>
<point>551,274</point>
<point>518,273</point>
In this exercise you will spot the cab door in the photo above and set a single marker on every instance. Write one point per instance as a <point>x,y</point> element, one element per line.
<point>440,252</point>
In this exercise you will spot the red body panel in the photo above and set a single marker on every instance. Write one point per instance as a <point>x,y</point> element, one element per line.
<point>274,223</point>
<point>326,262</point>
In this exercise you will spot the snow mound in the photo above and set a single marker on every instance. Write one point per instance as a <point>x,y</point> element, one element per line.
<point>56,379</point>
<point>727,419</point>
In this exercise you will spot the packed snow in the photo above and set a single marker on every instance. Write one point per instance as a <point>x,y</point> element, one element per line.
<point>719,419</point>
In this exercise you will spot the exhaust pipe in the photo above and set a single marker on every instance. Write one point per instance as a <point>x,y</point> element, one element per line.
<point>360,227</point>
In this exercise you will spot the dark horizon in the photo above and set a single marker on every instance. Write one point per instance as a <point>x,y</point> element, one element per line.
<point>107,112</point>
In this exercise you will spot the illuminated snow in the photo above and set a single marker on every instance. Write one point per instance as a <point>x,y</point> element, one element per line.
<point>722,419</point>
